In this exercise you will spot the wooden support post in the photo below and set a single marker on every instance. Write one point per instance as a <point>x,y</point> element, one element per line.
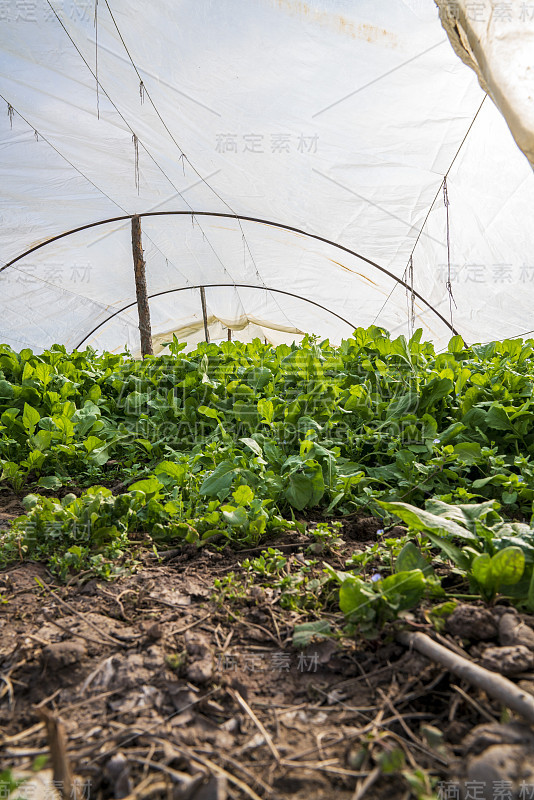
<point>229,334</point>
<point>204,314</point>
<point>140,289</point>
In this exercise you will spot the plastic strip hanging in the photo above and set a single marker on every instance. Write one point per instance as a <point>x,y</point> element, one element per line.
<point>96,61</point>
<point>448,283</point>
<point>135,141</point>
<point>410,297</point>
<point>10,114</point>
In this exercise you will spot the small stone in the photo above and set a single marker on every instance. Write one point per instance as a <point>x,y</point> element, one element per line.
<point>508,660</point>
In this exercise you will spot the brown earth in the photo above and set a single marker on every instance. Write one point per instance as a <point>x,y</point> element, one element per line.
<point>167,690</point>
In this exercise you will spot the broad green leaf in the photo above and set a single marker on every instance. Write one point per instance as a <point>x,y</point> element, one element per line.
<point>49,482</point>
<point>145,443</point>
<point>467,514</point>
<point>420,520</point>
<point>6,389</point>
<point>175,471</point>
<point>299,491</point>
<point>47,424</point>
<point>407,404</point>
<point>507,566</point>
<point>497,418</point>
<point>243,495</point>
<point>236,517</point>
<point>456,344</point>
<point>435,390</point>
<point>404,589</point>
<point>208,412</point>
<point>509,497</point>
<point>259,377</point>
<point>356,598</point>
<point>452,552</point>
<point>94,393</point>
<point>34,459</point>
<point>468,452</point>
<point>254,446</point>
<point>481,570</point>
<point>30,417</point>
<point>41,440</point>
<point>220,479</point>
<point>92,442</point>
<point>151,487</point>
<point>410,557</point>
<point>266,409</point>
<point>307,632</point>
<point>451,433</point>
<point>43,373</point>
<point>246,412</point>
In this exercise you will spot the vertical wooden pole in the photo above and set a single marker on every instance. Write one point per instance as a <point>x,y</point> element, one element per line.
<point>204,314</point>
<point>229,334</point>
<point>140,289</point>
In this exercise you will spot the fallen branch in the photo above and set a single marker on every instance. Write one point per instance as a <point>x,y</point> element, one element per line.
<point>494,684</point>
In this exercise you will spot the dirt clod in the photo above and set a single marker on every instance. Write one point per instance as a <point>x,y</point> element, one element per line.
<point>508,660</point>
<point>472,622</point>
<point>512,631</point>
<point>63,654</point>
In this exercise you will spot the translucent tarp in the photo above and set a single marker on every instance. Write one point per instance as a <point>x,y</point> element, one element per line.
<point>338,118</point>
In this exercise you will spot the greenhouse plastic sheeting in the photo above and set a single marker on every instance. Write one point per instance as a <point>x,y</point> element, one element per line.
<point>500,48</point>
<point>335,118</point>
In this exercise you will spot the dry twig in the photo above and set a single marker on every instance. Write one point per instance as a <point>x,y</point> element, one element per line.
<point>234,694</point>
<point>57,742</point>
<point>494,684</point>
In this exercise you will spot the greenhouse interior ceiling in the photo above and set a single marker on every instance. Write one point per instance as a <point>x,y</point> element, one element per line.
<point>295,167</point>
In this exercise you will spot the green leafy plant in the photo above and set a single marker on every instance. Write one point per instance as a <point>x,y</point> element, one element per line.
<point>496,556</point>
<point>228,443</point>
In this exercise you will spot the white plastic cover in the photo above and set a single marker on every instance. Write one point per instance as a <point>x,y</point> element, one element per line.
<point>500,49</point>
<point>335,117</point>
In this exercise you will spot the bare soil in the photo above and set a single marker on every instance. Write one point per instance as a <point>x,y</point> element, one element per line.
<point>165,691</point>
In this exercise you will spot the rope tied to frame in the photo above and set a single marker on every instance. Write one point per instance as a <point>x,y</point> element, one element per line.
<point>142,91</point>
<point>10,114</point>
<point>448,284</point>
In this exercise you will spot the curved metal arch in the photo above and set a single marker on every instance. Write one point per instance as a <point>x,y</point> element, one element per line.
<point>243,218</point>
<point>216,286</point>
